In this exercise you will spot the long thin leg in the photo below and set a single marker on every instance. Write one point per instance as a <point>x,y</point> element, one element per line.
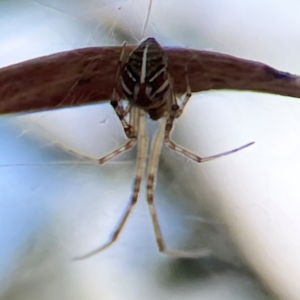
<point>116,101</point>
<point>141,156</point>
<point>126,146</point>
<point>129,144</point>
<point>133,117</point>
<point>176,111</point>
<point>173,110</point>
<point>151,173</point>
<point>187,95</point>
<point>133,123</point>
<point>200,159</point>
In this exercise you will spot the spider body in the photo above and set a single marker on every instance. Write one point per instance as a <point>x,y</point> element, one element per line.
<point>145,80</point>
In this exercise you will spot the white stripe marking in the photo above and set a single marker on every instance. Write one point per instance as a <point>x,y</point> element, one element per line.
<point>162,87</point>
<point>125,88</point>
<point>129,74</point>
<point>156,74</point>
<point>144,64</point>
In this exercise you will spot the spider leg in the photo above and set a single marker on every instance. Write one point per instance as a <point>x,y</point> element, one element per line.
<point>175,112</point>
<point>133,116</point>
<point>198,158</point>
<point>116,102</point>
<point>187,95</point>
<point>151,174</point>
<point>129,128</point>
<point>141,156</point>
<point>133,123</point>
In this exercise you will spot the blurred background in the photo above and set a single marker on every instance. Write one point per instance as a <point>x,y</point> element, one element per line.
<point>244,207</point>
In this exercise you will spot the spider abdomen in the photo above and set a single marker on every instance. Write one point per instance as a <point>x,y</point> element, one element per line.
<point>145,80</point>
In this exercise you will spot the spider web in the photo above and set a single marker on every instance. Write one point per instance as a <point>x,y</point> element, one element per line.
<point>101,193</point>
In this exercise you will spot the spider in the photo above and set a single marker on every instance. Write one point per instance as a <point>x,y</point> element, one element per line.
<point>146,83</point>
